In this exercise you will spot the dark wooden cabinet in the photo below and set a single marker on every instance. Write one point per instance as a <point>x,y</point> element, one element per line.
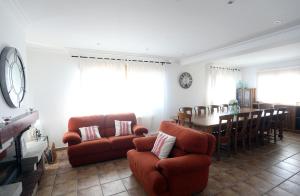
<point>246,97</point>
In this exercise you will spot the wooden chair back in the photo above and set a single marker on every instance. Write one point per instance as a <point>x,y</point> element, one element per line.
<point>255,118</point>
<point>241,124</point>
<point>226,128</point>
<point>214,107</point>
<point>200,110</point>
<point>187,110</point>
<point>224,107</point>
<point>184,119</point>
<point>267,119</point>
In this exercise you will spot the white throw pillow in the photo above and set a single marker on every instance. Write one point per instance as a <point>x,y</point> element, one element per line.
<point>89,133</point>
<point>122,128</point>
<point>163,145</point>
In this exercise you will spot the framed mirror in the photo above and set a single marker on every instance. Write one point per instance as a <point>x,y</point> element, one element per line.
<point>12,77</point>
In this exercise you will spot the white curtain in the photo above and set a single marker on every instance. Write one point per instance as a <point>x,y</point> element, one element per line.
<point>221,85</point>
<point>279,86</point>
<point>115,86</point>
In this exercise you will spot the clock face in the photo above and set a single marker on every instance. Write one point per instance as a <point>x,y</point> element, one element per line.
<point>12,77</point>
<point>185,80</point>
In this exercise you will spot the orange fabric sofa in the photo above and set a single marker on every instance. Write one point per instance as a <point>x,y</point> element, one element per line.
<point>108,146</point>
<point>184,173</point>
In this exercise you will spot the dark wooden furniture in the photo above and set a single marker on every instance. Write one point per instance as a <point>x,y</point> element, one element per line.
<point>224,108</point>
<point>199,110</point>
<point>253,134</point>
<point>223,134</point>
<point>213,108</point>
<point>292,122</point>
<point>246,97</point>
<point>241,129</point>
<point>184,119</point>
<point>266,125</point>
<point>187,110</point>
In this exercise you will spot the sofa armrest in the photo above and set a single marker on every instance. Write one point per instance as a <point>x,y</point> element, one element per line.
<point>183,164</point>
<point>211,144</point>
<point>144,144</point>
<point>139,130</point>
<point>71,138</point>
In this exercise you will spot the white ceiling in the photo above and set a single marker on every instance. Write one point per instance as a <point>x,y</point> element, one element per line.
<point>171,28</point>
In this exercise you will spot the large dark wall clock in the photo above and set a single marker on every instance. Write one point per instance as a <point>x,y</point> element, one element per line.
<point>185,80</point>
<point>12,76</point>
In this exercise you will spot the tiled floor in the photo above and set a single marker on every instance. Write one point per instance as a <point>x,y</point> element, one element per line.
<point>273,169</point>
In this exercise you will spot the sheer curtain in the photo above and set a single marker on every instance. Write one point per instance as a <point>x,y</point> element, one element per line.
<point>279,86</point>
<point>221,84</point>
<point>117,86</point>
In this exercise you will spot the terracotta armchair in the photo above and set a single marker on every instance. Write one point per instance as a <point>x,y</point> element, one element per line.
<point>184,172</point>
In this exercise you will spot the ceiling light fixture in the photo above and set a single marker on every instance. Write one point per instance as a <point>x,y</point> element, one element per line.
<point>230,2</point>
<point>277,22</point>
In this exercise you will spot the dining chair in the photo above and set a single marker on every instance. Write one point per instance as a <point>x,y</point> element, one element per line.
<point>184,119</point>
<point>278,123</point>
<point>266,125</point>
<point>224,107</point>
<point>240,130</point>
<point>253,134</point>
<point>223,134</point>
<point>213,108</point>
<point>187,110</point>
<point>200,110</point>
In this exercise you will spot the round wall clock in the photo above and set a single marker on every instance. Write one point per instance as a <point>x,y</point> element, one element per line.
<point>185,80</point>
<point>12,76</point>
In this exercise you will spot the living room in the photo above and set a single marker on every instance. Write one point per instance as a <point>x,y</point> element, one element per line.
<point>150,61</point>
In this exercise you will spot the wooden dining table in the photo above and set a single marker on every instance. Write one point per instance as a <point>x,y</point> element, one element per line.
<point>209,122</point>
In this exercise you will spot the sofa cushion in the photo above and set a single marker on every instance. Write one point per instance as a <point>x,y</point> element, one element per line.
<point>121,142</point>
<point>90,147</point>
<point>109,123</point>
<point>85,121</point>
<point>187,139</point>
<point>89,133</point>
<point>122,128</point>
<point>163,145</point>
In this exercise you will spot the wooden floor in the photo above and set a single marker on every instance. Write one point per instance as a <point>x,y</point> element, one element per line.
<point>273,169</point>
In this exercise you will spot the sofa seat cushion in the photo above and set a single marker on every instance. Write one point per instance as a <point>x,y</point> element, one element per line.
<point>143,166</point>
<point>122,142</point>
<point>90,147</point>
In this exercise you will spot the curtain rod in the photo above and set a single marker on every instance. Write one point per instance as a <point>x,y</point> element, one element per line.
<point>224,68</point>
<point>121,59</point>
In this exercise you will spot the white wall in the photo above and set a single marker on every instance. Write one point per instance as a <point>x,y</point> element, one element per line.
<point>54,78</point>
<point>177,96</point>
<point>12,34</point>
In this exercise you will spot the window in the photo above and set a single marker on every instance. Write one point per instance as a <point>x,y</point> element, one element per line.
<point>116,86</point>
<point>279,86</point>
<point>221,86</point>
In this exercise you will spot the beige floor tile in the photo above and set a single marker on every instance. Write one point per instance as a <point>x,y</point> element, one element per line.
<point>295,179</point>
<point>288,167</point>
<point>84,183</point>
<point>62,189</point>
<point>260,185</point>
<point>112,188</point>
<point>290,187</point>
<point>91,191</point>
<point>109,176</point>
<point>136,192</point>
<point>66,177</point>
<point>270,177</point>
<point>122,194</point>
<point>44,191</point>
<point>130,182</point>
<point>47,180</point>
<point>227,192</point>
<point>292,161</point>
<point>87,171</point>
<point>245,189</point>
<point>278,192</point>
<point>124,172</point>
<point>280,172</point>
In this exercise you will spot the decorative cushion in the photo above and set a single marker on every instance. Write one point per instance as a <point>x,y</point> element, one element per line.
<point>89,133</point>
<point>122,128</point>
<point>163,145</point>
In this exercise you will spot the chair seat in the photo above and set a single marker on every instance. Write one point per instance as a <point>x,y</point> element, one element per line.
<point>90,147</point>
<point>122,142</point>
